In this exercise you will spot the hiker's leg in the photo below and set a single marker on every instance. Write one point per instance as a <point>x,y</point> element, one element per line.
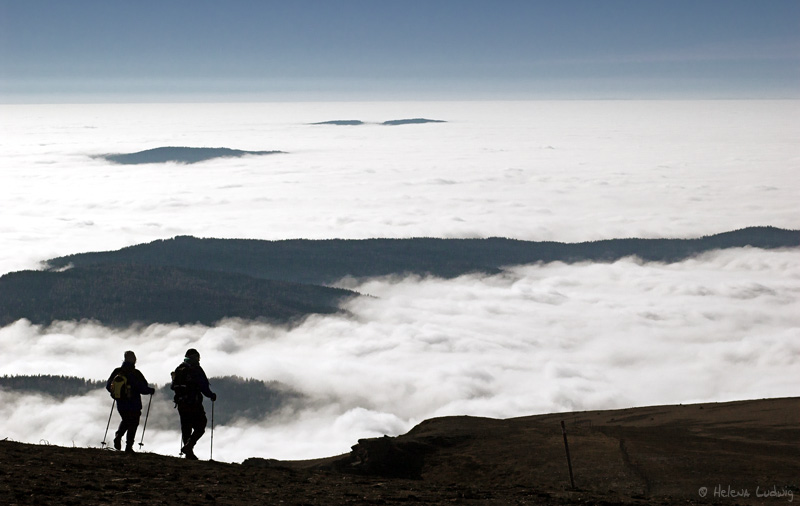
<point>131,420</point>
<point>197,422</point>
<point>199,425</point>
<point>120,430</point>
<point>122,425</point>
<point>186,424</point>
<point>191,417</point>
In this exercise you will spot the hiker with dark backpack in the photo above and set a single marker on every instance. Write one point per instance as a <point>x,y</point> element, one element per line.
<point>126,385</point>
<point>190,384</point>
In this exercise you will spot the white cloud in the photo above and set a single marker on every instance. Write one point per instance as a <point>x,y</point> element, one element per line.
<point>536,339</point>
<point>540,338</point>
<point>568,171</point>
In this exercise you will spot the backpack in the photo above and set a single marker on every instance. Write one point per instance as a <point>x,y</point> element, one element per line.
<point>120,388</point>
<point>185,387</point>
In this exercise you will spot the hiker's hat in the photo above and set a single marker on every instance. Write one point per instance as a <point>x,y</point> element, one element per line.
<point>192,353</point>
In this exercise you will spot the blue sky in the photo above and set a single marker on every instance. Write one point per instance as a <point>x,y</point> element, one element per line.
<point>99,50</point>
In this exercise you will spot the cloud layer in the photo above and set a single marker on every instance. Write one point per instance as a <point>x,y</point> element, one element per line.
<point>569,171</point>
<point>541,338</point>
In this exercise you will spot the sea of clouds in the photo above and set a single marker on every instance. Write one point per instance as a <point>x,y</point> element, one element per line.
<point>537,338</point>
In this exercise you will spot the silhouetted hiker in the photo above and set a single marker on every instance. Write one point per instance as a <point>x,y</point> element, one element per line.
<point>190,383</point>
<point>127,384</point>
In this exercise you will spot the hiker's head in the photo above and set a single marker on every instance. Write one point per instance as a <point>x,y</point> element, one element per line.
<point>193,354</point>
<point>130,357</point>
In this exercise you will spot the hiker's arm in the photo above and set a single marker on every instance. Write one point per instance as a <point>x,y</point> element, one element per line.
<point>143,387</point>
<point>205,387</point>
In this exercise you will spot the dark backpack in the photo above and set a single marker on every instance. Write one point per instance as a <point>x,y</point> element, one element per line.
<point>120,388</point>
<point>185,387</point>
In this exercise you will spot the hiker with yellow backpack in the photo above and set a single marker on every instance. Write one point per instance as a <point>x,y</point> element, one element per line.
<point>127,385</point>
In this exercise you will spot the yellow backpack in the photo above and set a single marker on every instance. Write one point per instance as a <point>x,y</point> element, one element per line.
<point>120,388</point>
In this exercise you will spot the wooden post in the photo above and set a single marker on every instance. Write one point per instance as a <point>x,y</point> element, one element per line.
<point>569,461</point>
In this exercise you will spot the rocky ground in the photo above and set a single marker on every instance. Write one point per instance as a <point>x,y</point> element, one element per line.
<point>728,453</point>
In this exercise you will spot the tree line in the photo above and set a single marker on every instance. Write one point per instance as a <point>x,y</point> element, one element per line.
<point>323,262</point>
<point>127,294</point>
<point>238,398</point>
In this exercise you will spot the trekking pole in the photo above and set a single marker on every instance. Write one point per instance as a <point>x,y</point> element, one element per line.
<point>103,443</point>
<point>212,430</point>
<point>141,443</point>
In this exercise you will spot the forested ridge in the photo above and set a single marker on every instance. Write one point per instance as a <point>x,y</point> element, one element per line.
<point>126,294</point>
<point>327,261</point>
<point>238,398</point>
<point>59,387</point>
<point>189,280</point>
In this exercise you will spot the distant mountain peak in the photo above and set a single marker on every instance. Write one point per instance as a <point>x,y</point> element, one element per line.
<point>412,121</point>
<point>341,122</point>
<point>392,122</point>
<point>179,154</point>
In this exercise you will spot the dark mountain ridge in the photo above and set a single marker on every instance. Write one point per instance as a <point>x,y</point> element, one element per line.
<point>187,280</point>
<point>239,398</point>
<point>126,294</point>
<point>341,122</point>
<point>327,261</point>
<point>411,121</point>
<point>391,122</point>
<point>179,154</point>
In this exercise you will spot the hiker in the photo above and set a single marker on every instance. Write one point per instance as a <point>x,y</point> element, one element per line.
<point>190,384</point>
<point>126,385</point>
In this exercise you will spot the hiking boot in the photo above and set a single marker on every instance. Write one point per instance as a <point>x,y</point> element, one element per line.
<point>118,443</point>
<point>188,453</point>
<point>129,448</point>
